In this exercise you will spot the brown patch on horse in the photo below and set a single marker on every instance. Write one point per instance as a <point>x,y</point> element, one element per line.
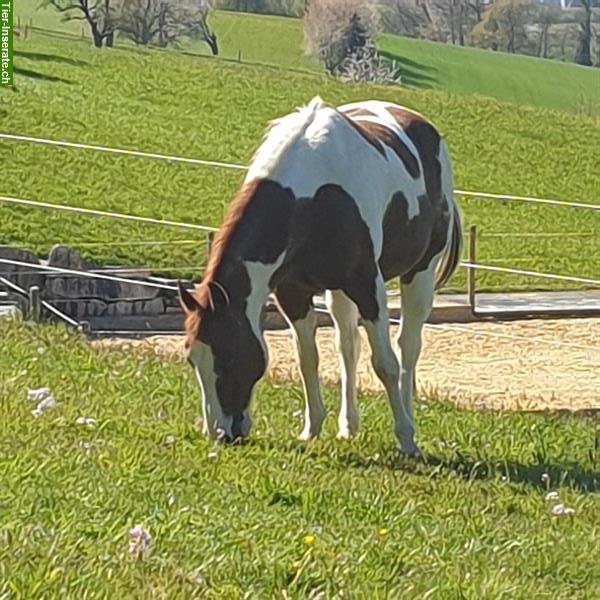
<point>358,112</point>
<point>377,135</point>
<point>427,142</point>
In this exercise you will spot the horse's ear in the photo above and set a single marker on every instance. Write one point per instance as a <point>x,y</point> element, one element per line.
<point>187,301</point>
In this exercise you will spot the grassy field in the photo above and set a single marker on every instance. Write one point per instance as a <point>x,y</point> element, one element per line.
<point>423,64</point>
<point>192,106</point>
<point>276,518</point>
<point>511,78</point>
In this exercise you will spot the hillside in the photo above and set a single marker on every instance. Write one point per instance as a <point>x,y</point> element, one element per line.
<point>512,78</point>
<point>199,107</point>
<point>429,65</point>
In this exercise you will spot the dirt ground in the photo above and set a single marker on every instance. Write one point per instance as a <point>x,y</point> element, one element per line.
<point>525,365</point>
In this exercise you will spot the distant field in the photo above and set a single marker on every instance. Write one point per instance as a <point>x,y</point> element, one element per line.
<point>275,515</point>
<point>427,65</point>
<point>511,78</point>
<point>192,106</point>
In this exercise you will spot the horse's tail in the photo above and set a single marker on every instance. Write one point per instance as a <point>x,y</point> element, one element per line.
<point>449,261</point>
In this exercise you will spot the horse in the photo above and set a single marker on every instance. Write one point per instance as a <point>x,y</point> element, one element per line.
<point>336,200</point>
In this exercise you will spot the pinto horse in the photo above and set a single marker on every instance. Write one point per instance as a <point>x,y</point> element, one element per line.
<point>336,200</point>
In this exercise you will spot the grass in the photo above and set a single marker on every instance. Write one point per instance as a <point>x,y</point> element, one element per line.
<point>423,64</point>
<point>195,106</point>
<point>510,78</point>
<point>472,521</point>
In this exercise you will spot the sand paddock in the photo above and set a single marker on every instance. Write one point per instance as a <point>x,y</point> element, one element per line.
<point>525,365</point>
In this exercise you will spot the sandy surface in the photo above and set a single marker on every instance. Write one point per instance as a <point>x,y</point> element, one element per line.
<point>525,365</point>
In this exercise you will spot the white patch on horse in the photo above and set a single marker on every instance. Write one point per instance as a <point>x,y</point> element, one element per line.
<point>215,420</point>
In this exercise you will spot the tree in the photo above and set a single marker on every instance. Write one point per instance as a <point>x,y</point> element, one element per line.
<point>100,15</point>
<point>163,22</point>
<point>333,29</point>
<point>503,25</point>
<point>546,17</point>
<point>583,55</point>
<point>403,17</point>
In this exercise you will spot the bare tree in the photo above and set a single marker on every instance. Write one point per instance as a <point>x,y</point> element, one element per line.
<point>403,17</point>
<point>503,25</point>
<point>100,15</point>
<point>546,17</point>
<point>333,29</point>
<point>163,22</point>
<point>584,48</point>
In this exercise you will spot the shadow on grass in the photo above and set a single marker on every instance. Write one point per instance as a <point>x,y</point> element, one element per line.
<point>411,72</point>
<point>38,75</point>
<point>39,56</point>
<point>568,474</point>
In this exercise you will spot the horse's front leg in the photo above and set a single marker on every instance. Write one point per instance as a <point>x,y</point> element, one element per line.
<point>385,363</point>
<point>302,318</point>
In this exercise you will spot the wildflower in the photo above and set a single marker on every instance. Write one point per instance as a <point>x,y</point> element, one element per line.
<point>212,455</point>
<point>47,404</point>
<point>545,478</point>
<point>552,497</point>
<point>139,542</point>
<point>171,500</point>
<point>309,540</point>
<point>87,421</point>
<point>38,394</point>
<point>383,533</point>
<point>170,440</point>
<point>560,510</point>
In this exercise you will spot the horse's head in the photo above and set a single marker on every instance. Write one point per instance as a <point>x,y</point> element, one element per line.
<point>227,357</point>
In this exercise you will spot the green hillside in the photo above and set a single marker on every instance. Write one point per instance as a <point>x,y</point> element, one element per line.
<point>200,107</point>
<point>512,78</point>
<point>278,40</point>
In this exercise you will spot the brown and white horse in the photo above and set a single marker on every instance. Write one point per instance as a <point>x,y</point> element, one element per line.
<point>337,200</point>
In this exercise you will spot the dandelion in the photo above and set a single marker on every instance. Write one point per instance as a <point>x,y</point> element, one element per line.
<point>87,421</point>
<point>309,540</point>
<point>382,533</point>
<point>139,542</point>
<point>552,497</point>
<point>560,510</point>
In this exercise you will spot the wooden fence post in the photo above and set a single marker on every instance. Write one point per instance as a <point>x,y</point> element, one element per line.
<point>35,303</point>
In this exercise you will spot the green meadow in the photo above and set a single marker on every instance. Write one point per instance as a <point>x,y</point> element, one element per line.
<point>275,517</point>
<point>193,106</point>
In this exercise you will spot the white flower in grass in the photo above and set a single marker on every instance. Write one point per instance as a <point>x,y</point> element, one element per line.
<point>545,478</point>
<point>552,497</point>
<point>560,510</point>
<point>139,542</point>
<point>171,500</point>
<point>38,394</point>
<point>87,421</point>
<point>45,405</point>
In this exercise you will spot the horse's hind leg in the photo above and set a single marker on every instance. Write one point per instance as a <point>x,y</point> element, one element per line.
<point>299,313</point>
<point>345,317</point>
<point>417,301</point>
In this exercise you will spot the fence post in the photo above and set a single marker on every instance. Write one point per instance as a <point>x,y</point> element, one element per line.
<point>35,303</point>
<point>471,271</point>
<point>239,58</point>
<point>209,242</point>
